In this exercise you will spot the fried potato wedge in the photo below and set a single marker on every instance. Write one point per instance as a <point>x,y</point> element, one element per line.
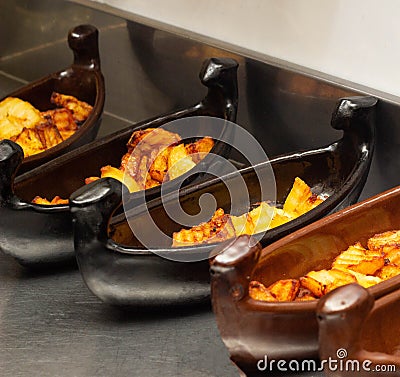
<point>128,181</point>
<point>15,115</point>
<point>258,291</point>
<point>304,295</point>
<point>300,199</point>
<point>218,228</point>
<point>80,110</point>
<point>200,148</point>
<point>49,135</point>
<point>389,238</point>
<point>159,167</point>
<point>388,271</point>
<point>179,162</point>
<point>285,290</point>
<point>365,280</point>
<point>321,282</point>
<point>55,200</point>
<point>392,254</point>
<point>30,141</point>
<point>358,259</point>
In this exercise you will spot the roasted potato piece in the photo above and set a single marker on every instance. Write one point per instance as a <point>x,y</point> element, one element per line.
<point>218,228</point>
<point>258,291</point>
<point>55,200</point>
<point>388,271</point>
<point>304,294</point>
<point>155,138</point>
<point>256,221</point>
<point>392,254</point>
<point>321,282</point>
<point>150,182</point>
<point>199,149</point>
<point>365,280</point>
<point>128,181</point>
<point>358,259</point>
<point>390,238</point>
<point>15,115</point>
<point>285,290</point>
<point>80,110</point>
<point>63,120</point>
<point>280,217</point>
<point>179,162</point>
<point>300,199</point>
<point>48,135</point>
<point>159,167</point>
<point>30,141</point>
<point>90,180</point>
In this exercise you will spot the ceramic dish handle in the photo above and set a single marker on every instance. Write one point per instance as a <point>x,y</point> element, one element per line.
<point>231,268</point>
<point>11,156</point>
<point>354,115</point>
<point>349,318</point>
<point>220,76</point>
<point>83,41</point>
<point>91,207</point>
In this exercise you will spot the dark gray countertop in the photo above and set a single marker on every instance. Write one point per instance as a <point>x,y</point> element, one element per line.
<point>50,324</point>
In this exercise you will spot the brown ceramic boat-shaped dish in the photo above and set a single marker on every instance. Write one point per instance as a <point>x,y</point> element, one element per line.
<point>121,271</point>
<point>48,238</point>
<point>253,329</point>
<point>362,333</point>
<point>83,79</point>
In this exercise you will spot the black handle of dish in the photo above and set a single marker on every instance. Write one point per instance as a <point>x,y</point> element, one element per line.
<point>11,156</point>
<point>352,112</point>
<point>92,207</point>
<point>232,267</point>
<point>220,76</point>
<point>83,41</point>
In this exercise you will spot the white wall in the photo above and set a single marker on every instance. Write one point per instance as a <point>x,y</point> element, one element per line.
<point>357,40</point>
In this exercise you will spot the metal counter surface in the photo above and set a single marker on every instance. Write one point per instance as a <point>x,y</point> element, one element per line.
<point>50,324</point>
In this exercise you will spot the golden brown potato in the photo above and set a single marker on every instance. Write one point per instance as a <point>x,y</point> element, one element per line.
<point>154,138</point>
<point>15,115</point>
<point>55,200</point>
<point>300,199</point>
<point>80,110</point>
<point>389,238</point>
<point>304,295</point>
<point>392,254</point>
<point>179,162</point>
<point>388,271</point>
<point>62,119</point>
<point>365,280</point>
<point>358,259</point>
<point>321,282</point>
<point>199,149</point>
<point>285,290</point>
<point>258,291</point>
<point>49,135</point>
<point>128,181</point>
<point>218,228</point>
<point>159,167</point>
<point>30,141</point>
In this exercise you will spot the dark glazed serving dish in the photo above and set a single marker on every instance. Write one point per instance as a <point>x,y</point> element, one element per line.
<point>119,270</point>
<point>49,238</point>
<point>368,330</point>
<point>83,79</point>
<point>253,329</point>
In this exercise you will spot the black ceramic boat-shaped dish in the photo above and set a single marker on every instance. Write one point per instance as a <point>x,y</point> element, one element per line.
<point>83,79</point>
<point>48,238</point>
<point>119,270</point>
<point>338,322</point>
